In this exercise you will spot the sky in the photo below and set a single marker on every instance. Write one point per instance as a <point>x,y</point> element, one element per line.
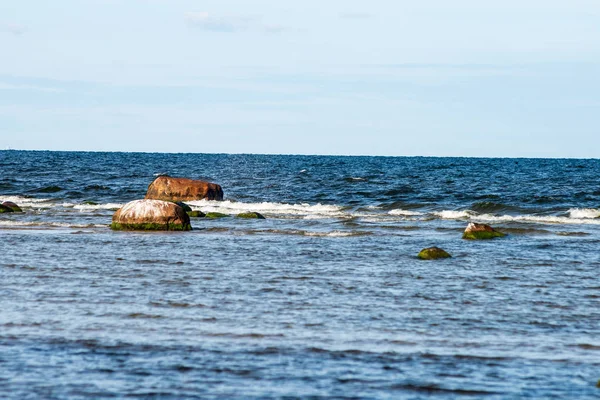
<point>398,78</point>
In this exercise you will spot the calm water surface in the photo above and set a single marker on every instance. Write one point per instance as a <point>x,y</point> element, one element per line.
<point>323,299</point>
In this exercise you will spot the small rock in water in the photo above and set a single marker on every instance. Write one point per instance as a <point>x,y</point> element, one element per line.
<point>185,207</point>
<point>151,215</point>
<point>4,209</point>
<point>254,215</point>
<point>11,206</point>
<point>481,232</point>
<point>196,214</point>
<point>214,215</point>
<point>433,253</point>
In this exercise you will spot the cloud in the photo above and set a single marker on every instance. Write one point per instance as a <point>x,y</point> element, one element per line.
<point>207,22</point>
<point>15,29</point>
<point>355,15</point>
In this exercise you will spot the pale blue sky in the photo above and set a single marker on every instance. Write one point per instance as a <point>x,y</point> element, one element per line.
<point>434,77</point>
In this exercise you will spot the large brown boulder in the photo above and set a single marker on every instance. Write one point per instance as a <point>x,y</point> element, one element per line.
<point>183,189</point>
<point>151,215</point>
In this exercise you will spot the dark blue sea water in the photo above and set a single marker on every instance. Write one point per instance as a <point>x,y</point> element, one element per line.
<point>323,299</point>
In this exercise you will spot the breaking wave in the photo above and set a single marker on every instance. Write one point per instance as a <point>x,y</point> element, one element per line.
<point>272,209</point>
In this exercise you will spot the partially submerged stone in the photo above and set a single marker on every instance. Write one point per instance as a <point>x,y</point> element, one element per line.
<point>196,214</point>
<point>5,209</point>
<point>12,206</point>
<point>185,207</point>
<point>481,232</point>
<point>433,253</point>
<point>214,215</point>
<point>251,215</point>
<point>151,215</point>
<point>183,189</point>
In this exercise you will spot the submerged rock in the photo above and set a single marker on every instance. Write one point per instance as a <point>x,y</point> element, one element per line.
<point>5,209</point>
<point>182,189</point>
<point>151,215</point>
<point>185,207</point>
<point>433,253</point>
<point>214,215</point>
<point>12,206</point>
<point>196,214</point>
<point>251,215</point>
<point>481,232</point>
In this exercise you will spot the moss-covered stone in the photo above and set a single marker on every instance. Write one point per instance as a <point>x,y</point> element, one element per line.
<point>185,207</point>
<point>5,209</point>
<point>214,215</point>
<point>254,215</point>
<point>12,206</point>
<point>433,253</point>
<point>598,383</point>
<point>196,214</point>
<point>482,235</point>
<point>90,203</point>
<point>476,231</point>
<point>149,227</point>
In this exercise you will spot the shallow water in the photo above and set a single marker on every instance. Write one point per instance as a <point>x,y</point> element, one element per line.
<point>323,299</point>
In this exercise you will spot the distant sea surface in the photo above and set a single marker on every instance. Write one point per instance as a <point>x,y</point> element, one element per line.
<point>323,299</point>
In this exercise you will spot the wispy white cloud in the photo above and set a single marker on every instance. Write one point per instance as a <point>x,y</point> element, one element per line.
<point>15,29</point>
<point>9,86</point>
<point>206,21</point>
<point>355,15</point>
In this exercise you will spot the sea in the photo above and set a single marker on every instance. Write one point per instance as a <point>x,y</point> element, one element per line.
<point>323,299</point>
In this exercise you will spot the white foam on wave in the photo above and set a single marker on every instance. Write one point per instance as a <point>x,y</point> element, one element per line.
<point>406,213</point>
<point>546,219</point>
<point>301,210</point>
<point>10,223</point>
<point>28,201</point>
<point>107,206</point>
<point>451,214</point>
<point>330,234</point>
<point>584,213</point>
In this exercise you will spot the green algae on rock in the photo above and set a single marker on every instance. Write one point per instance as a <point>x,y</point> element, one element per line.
<point>481,232</point>
<point>5,209</point>
<point>196,214</point>
<point>115,226</point>
<point>254,215</point>
<point>151,215</point>
<point>185,207</point>
<point>214,215</point>
<point>433,253</point>
<point>12,206</point>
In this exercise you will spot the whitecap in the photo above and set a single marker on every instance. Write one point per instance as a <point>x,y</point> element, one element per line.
<point>584,213</point>
<point>282,209</point>
<point>451,214</point>
<point>107,206</point>
<point>333,234</point>
<point>28,201</point>
<point>406,213</point>
<point>489,218</point>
